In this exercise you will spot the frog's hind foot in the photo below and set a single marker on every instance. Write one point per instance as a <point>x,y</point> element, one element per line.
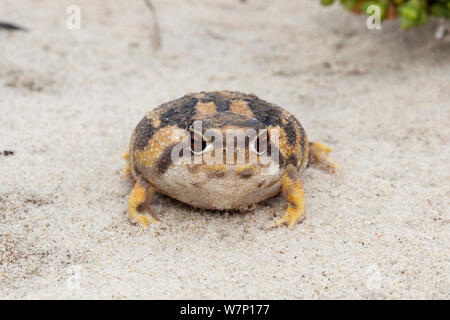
<point>318,156</point>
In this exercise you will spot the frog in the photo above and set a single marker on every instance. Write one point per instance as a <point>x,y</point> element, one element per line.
<point>188,150</point>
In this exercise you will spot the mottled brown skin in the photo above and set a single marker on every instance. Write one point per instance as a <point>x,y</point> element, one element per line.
<point>156,134</point>
<point>219,109</point>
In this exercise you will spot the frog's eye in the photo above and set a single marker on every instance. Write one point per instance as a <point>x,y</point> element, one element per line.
<point>199,145</point>
<point>261,143</point>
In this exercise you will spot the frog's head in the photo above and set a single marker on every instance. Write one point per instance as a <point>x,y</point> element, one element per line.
<point>227,142</point>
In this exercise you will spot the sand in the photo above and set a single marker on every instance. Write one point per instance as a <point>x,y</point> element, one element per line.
<point>69,101</point>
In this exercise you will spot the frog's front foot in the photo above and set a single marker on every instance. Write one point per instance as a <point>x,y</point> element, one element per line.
<point>137,203</point>
<point>292,189</point>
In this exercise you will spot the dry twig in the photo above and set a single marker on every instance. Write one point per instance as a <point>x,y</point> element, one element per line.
<point>156,36</point>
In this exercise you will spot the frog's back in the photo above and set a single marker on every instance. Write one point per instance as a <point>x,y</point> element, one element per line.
<point>218,109</point>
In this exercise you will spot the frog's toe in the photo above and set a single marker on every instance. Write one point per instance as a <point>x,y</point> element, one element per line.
<point>290,218</point>
<point>145,221</point>
<point>319,156</point>
<point>126,171</point>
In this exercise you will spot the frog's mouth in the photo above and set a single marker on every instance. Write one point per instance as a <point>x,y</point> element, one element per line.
<point>233,171</point>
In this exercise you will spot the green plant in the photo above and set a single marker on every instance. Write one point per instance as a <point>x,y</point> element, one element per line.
<point>412,13</point>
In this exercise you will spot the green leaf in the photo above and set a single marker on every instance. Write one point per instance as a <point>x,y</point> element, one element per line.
<point>409,12</point>
<point>326,2</point>
<point>406,23</point>
<point>348,4</point>
<point>438,10</point>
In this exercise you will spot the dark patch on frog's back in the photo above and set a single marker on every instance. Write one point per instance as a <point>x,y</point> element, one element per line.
<point>144,132</point>
<point>228,118</point>
<point>165,159</point>
<point>179,112</point>
<point>219,98</point>
<point>271,115</point>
